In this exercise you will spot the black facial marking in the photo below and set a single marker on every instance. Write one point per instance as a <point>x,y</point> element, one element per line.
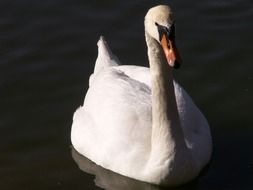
<point>169,32</point>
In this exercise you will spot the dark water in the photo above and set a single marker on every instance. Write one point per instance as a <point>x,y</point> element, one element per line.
<point>48,50</point>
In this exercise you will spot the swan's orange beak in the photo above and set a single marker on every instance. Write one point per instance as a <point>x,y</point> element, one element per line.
<point>170,51</point>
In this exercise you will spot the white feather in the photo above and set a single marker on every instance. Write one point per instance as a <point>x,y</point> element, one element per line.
<point>113,128</point>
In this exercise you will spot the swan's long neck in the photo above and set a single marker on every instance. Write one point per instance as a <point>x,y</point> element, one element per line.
<point>167,134</point>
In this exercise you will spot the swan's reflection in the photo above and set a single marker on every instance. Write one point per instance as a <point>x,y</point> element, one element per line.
<point>109,180</point>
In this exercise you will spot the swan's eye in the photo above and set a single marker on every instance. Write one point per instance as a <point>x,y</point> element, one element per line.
<point>163,30</point>
<point>169,32</point>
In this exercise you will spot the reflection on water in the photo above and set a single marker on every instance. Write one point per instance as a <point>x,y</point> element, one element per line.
<point>109,180</point>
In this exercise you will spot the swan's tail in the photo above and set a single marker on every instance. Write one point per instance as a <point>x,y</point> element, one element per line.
<point>105,56</point>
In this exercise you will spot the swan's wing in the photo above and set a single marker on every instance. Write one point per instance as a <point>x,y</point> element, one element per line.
<point>195,126</point>
<point>194,123</point>
<point>105,58</point>
<point>138,73</point>
<point>115,118</point>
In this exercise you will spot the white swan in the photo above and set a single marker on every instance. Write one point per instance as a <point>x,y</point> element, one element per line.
<point>137,121</point>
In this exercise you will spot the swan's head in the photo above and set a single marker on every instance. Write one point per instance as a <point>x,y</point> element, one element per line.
<point>160,26</point>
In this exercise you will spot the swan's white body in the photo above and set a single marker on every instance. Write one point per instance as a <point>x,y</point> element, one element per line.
<point>122,128</point>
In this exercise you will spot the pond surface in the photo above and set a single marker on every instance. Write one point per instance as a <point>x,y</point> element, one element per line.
<point>48,50</point>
